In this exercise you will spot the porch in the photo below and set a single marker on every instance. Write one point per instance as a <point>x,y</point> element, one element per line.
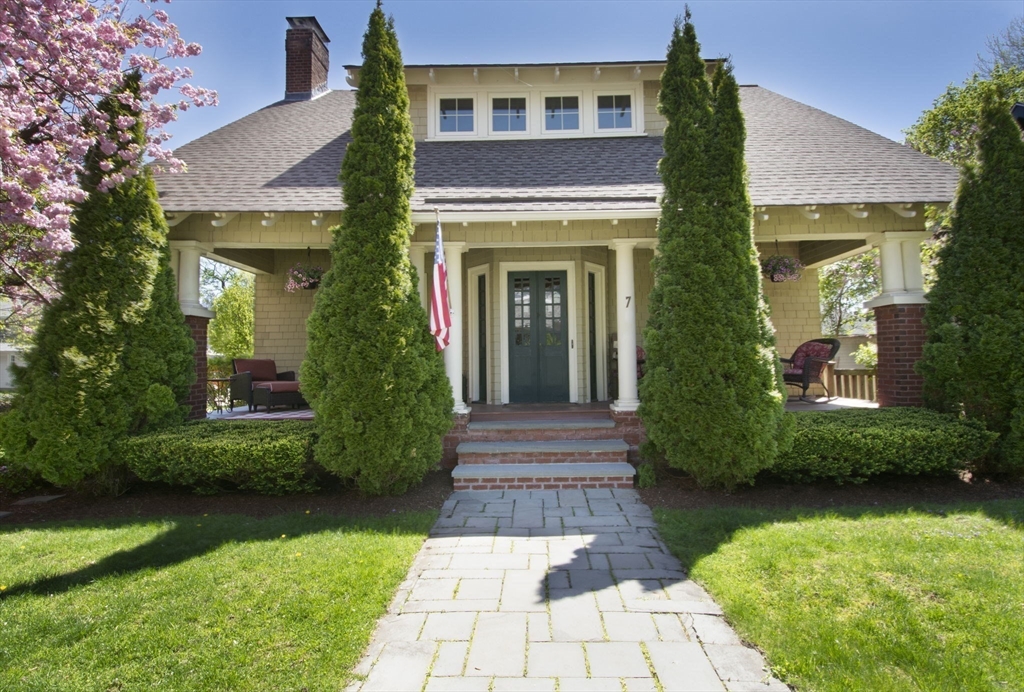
<point>529,412</point>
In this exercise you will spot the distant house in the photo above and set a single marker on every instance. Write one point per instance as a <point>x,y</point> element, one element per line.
<point>9,353</point>
<point>545,176</point>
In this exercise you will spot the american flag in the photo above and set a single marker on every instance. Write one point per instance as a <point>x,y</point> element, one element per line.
<point>440,309</point>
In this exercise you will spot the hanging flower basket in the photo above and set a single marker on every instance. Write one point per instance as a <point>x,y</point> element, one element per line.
<point>304,277</point>
<point>779,268</point>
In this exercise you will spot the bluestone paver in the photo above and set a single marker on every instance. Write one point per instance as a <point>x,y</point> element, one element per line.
<point>545,590</point>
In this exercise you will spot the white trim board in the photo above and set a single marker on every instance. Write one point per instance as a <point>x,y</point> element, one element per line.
<point>472,276</point>
<point>569,267</point>
<point>601,336</point>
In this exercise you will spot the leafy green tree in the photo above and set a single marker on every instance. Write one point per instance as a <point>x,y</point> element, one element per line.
<point>948,131</point>
<point>113,355</point>
<point>372,374</point>
<point>214,277</point>
<point>231,331</point>
<point>972,360</point>
<point>843,287</point>
<point>712,398</point>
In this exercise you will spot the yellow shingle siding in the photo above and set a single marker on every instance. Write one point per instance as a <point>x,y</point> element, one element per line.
<point>280,317</point>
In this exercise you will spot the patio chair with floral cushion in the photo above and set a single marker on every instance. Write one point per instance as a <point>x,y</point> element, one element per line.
<point>807,366</point>
<point>258,383</point>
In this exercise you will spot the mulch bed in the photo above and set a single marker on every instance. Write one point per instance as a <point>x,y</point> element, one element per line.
<point>158,500</point>
<point>677,492</point>
<point>680,492</point>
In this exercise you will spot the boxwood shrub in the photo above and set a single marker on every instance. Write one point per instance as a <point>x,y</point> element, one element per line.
<point>270,457</point>
<point>852,445</point>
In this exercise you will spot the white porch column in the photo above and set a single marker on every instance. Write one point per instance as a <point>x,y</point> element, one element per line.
<point>453,353</point>
<point>625,313</point>
<point>902,279</point>
<point>417,253</point>
<point>913,278</point>
<point>189,252</point>
<point>892,266</point>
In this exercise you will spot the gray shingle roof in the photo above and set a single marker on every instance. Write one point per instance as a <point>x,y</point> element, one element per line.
<point>286,157</point>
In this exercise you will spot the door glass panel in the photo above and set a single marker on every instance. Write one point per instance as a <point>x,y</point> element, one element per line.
<point>552,302</point>
<point>521,316</point>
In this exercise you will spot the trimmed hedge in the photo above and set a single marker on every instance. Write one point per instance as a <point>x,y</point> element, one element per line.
<point>270,457</point>
<point>852,445</point>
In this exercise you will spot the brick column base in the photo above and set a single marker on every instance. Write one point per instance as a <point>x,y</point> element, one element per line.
<point>458,433</point>
<point>631,428</point>
<point>197,394</point>
<point>901,337</point>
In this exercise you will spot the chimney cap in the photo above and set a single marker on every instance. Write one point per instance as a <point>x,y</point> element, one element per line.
<point>308,23</point>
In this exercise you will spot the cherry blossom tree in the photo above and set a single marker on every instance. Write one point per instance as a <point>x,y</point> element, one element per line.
<point>59,59</point>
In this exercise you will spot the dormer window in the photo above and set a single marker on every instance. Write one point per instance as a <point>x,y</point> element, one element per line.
<point>456,115</point>
<point>614,112</point>
<point>561,113</point>
<point>508,114</point>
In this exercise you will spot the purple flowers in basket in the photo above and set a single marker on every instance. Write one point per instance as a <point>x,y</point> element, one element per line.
<point>303,277</point>
<point>780,268</point>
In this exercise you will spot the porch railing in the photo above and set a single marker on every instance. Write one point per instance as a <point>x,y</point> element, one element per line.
<point>853,384</point>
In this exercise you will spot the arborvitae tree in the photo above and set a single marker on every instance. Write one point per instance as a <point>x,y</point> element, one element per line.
<point>712,398</point>
<point>372,374</point>
<point>973,362</point>
<point>112,355</point>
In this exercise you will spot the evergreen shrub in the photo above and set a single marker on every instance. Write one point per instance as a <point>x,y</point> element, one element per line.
<point>973,360</point>
<point>712,398</point>
<point>852,445</point>
<point>269,457</point>
<point>112,354</point>
<point>372,375</point>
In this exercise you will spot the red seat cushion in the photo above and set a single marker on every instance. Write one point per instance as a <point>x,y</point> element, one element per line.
<point>277,386</point>
<point>261,369</point>
<point>810,349</point>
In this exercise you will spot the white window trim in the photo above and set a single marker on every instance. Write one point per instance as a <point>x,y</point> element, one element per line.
<point>472,276</point>
<point>491,95</point>
<point>535,120</point>
<point>544,95</point>
<point>601,332</point>
<point>636,108</point>
<point>434,115</point>
<point>569,267</point>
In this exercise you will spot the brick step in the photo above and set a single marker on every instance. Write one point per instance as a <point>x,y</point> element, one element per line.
<point>541,424</point>
<point>535,412</point>
<point>543,476</point>
<point>542,452</point>
<point>541,434</point>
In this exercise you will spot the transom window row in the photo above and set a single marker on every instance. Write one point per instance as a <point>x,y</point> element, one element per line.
<point>561,113</point>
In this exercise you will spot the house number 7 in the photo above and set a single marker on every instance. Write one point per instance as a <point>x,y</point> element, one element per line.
<point>627,300</point>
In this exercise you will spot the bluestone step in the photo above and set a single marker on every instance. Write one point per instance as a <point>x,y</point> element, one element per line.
<point>543,476</point>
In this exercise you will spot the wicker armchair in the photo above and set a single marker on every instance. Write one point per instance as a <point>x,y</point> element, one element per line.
<point>258,383</point>
<point>807,365</point>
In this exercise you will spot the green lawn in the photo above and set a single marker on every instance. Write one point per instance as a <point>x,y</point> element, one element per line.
<point>868,599</point>
<point>197,603</point>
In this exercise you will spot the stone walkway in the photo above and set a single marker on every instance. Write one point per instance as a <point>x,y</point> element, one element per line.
<point>553,590</point>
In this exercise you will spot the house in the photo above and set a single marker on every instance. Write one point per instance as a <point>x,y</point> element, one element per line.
<point>545,178</point>
<point>10,353</point>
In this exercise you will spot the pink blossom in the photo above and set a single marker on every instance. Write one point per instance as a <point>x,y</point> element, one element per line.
<point>59,59</point>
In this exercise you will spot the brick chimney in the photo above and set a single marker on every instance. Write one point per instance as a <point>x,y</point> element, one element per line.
<point>306,59</point>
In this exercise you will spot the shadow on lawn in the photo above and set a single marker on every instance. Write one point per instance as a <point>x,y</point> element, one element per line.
<point>694,534</point>
<point>191,537</point>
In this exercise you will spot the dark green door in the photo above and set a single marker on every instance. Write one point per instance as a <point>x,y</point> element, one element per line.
<point>538,337</point>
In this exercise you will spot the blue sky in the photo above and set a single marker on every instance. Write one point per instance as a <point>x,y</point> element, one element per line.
<point>878,64</point>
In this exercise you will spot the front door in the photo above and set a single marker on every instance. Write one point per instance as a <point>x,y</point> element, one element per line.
<point>538,337</point>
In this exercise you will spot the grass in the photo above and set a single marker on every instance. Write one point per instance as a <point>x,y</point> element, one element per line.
<point>197,603</point>
<point>855,599</point>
